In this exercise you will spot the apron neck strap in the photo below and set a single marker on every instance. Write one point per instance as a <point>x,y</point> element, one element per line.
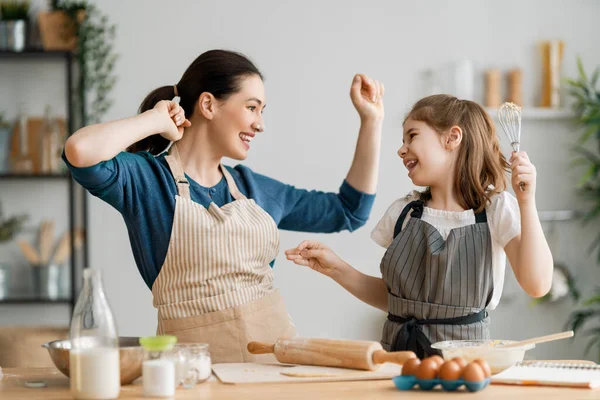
<point>417,207</point>
<point>183,185</point>
<point>174,161</point>
<point>233,189</point>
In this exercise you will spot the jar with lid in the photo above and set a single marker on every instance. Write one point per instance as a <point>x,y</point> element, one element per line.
<point>158,367</point>
<point>193,364</point>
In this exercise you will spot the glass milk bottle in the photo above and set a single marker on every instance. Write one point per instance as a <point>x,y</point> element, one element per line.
<point>94,355</point>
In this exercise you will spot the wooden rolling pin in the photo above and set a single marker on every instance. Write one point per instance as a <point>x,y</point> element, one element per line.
<point>355,354</point>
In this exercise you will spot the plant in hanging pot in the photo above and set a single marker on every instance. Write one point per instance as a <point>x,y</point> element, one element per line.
<point>58,27</point>
<point>14,25</point>
<point>587,109</point>
<point>93,42</point>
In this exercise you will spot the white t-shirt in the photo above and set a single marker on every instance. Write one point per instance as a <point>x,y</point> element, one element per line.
<point>504,220</point>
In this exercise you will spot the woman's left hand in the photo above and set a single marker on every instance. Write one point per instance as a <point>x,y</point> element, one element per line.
<point>523,171</point>
<point>367,97</point>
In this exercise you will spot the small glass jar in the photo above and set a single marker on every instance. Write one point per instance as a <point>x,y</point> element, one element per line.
<point>158,367</point>
<point>193,364</point>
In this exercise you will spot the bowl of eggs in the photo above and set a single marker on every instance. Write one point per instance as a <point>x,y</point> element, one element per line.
<point>450,374</point>
<point>491,351</point>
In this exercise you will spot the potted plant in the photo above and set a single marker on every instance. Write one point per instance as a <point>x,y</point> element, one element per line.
<point>13,25</point>
<point>586,97</point>
<point>82,27</point>
<point>11,226</point>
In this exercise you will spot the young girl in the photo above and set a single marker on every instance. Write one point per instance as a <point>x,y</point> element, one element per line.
<point>204,236</point>
<point>447,246</point>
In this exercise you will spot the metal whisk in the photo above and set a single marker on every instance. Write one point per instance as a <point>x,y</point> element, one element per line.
<point>509,116</point>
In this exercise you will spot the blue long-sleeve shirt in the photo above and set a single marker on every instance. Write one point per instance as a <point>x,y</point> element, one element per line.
<point>141,187</point>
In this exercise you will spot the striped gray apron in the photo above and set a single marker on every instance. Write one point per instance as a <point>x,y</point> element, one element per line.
<point>437,289</point>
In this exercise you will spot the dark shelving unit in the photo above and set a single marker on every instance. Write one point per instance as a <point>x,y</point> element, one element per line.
<point>75,194</point>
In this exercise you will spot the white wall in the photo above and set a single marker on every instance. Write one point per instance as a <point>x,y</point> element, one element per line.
<point>308,52</point>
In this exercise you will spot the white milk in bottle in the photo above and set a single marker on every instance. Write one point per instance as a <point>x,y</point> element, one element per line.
<point>95,373</point>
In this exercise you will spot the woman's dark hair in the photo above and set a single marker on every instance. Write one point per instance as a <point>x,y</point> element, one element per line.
<point>218,72</point>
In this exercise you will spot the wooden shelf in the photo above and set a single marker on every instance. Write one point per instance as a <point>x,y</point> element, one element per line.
<point>10,176</point>
<point>35,53</point>
<point>33,301</point>
<point>538,113</point>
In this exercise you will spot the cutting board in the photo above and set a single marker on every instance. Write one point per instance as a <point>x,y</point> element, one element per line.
<point>238,373</point>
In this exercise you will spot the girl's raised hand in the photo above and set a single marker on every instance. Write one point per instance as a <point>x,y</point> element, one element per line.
<point>367,97</point>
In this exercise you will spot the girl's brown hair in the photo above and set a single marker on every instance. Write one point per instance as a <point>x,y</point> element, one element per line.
<point>481,166</point>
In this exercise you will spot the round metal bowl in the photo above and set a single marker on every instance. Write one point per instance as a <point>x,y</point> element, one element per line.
<point>130,352</point>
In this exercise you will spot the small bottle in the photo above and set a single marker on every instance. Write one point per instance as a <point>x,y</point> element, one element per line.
<point>492,88</point>
<point>46,142</point>
<point>158,367</point>
<point>94,355</point>
<point>515,92</point>
<point>23,164</point>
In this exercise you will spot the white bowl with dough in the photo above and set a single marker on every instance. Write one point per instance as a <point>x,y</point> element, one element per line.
<point>497,357</point>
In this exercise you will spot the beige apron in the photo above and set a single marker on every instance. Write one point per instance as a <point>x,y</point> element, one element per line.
<point>216,284</point>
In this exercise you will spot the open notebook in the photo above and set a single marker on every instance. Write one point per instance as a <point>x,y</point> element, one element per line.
<point>551,374</point>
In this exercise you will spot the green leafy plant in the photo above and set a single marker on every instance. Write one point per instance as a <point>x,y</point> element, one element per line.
<point>96,56</point>
<point>587,109</point>
<point>4,122</point>
<point>14,10</point>
<point>10,226</point>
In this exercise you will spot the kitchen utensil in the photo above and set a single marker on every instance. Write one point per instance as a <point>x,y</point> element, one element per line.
<point>538,339</point>
<point>29,252</point>
<point>244,373</point>
<point>130,352</point>
<point>46,236</point>
<point>357,354</point>
<point>509,115</point>
<point>63,248</point>
<point>498,357</point>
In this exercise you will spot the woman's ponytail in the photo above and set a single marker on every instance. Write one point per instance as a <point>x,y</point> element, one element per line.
<point>154,144</point>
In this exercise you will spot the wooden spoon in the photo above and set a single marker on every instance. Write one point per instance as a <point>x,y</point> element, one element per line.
<point>539,339</point>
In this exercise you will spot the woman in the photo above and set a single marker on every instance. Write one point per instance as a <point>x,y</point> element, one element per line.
<point>204,236</point>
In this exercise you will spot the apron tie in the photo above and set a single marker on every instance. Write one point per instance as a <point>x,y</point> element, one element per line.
<point>416,206</point>
<point>411,336</point>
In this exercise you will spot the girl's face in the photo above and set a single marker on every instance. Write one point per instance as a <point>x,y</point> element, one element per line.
<point>239,118</point>
<point>428,160</point>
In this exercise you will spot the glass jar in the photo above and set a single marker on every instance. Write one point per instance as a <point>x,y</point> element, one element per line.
<point>94,354</point>
<point>193,364</point>
<point>158,367</point>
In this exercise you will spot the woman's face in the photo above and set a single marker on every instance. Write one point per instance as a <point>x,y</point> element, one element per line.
<point>239,118</point>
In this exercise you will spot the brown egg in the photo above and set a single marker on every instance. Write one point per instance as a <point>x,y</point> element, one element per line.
<point>428,369</point>
<point>485,367</point>
<point>439,360</point>
<point>460,361</point>
<point>450,371</point>
<point>410,367</point>
<point>473,373</point>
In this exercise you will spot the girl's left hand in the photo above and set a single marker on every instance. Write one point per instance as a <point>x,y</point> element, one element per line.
<point>523,171</point>
<point>367,97</point>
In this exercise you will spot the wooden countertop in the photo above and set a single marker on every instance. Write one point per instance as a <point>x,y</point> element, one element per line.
<point>12,387</point>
